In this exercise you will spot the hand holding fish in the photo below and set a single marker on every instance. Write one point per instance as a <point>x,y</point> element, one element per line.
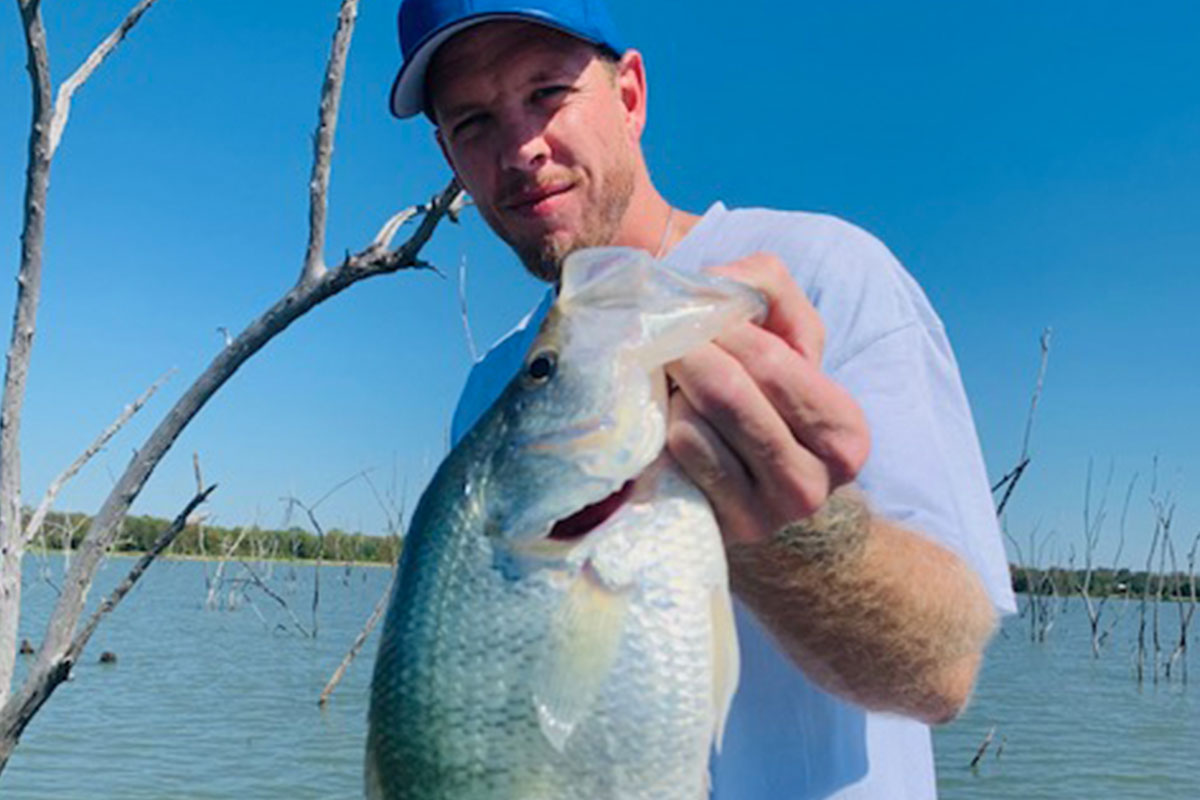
<point>755,423</point>
<point>868,609</point>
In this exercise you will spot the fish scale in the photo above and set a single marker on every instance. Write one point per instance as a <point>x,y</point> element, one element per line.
<point>516,666</point>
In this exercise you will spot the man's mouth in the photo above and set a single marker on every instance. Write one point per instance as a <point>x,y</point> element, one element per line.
<point>589,518</point>
<point>535,200</point>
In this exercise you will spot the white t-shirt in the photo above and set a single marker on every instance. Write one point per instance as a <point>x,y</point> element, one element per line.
<point>785,738</point>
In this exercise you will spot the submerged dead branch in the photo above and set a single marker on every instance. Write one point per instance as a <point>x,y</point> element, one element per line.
<point>269,592</point>
<point>395,521</point>
<point>359,641</point>
<point>983,746</point>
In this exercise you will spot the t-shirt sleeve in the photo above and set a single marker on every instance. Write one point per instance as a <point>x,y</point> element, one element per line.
<point>925,470</point>
<point>887,347</point>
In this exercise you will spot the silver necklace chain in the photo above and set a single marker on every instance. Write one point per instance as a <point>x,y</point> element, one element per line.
<point>662,242</point>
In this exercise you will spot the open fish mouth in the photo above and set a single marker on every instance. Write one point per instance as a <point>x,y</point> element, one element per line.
<point>590,517</point>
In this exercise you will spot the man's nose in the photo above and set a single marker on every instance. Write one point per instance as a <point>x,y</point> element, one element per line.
<point>523,146</point>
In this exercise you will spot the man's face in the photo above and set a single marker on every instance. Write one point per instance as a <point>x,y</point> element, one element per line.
<point>537,128</point>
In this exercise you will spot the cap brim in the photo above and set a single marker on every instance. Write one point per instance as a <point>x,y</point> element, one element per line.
<point>408,90</point>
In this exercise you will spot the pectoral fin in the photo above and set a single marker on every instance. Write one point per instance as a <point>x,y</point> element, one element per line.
<point>585,637</point>
<point>726,661</point>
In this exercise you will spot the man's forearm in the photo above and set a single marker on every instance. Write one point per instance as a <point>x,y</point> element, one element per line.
<point>869,610</point>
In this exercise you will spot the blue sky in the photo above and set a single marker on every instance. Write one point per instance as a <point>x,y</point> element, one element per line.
<point>1031,164</point>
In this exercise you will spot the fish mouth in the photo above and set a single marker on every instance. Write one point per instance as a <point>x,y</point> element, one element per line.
<point>590,517</point>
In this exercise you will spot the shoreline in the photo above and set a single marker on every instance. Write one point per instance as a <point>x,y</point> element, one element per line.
<point>325,562</point>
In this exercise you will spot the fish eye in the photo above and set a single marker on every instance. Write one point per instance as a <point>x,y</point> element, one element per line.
<point>543,366</point>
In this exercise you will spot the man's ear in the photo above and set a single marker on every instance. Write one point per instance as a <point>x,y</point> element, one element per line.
<point>631,83</point>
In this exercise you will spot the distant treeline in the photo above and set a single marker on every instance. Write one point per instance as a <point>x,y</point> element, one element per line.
<point>1104,582</point>
<point>139,534</point>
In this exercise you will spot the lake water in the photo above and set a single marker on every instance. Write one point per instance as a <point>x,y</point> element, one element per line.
<point>222,703</point>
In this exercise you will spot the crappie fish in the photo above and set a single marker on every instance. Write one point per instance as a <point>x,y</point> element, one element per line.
<point>561,624</point>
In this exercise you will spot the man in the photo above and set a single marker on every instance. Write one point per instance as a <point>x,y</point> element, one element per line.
<point>864,610</point>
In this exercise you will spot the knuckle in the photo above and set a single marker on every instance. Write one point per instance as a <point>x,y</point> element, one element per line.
<point>816,328</point>
<point>725,393</point>
<point>774,360</point>
<point>848,453</point>
<point>804,493</point>
<point>694,454</point>
<point>771,263</point>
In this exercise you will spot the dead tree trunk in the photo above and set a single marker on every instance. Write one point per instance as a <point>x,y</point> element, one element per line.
<point>1093,525</point>
<point>1164,512</point>
<point>1144,605</point>
<point>316,284</point>
<point>29,279</point>
<point>49,116</point>
<point>1187,609</point>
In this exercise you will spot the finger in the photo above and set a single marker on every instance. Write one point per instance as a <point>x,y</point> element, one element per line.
<point>790,314</point>
<point>821,415</point>
<point>712,466</point>
<point>792,480</point>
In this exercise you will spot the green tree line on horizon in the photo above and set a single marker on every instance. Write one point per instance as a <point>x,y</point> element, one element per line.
<point>139,533</point>
<point>1105,582</point>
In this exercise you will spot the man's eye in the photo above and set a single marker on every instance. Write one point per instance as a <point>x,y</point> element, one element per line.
<point>549,92</point>
<point>466,124</point>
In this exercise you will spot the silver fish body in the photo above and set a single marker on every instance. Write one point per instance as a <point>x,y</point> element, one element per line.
<point>517,665</point>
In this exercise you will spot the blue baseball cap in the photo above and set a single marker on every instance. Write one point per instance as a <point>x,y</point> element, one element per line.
<point>426,24</point>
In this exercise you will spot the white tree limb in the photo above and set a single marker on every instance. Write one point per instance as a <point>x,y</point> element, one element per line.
<point>62,101</point>
<point>318,185</point>
<point>29,281</point>
<point>39,515</point>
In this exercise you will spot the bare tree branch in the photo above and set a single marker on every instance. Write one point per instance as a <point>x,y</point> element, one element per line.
<point>62,101</point>
<point>296,302</point>
<point>1037,392</point>
<point>1012,478</point>
<point>462,309</point>
<point>261,584</point>
<point>395,522</point>
<point>211,600</point>
<point>359,641</point>
<point>377,257</point>
<point>40,685</point>
<point>39,515</point>
<point>310,511</point>
<point>318,185</point>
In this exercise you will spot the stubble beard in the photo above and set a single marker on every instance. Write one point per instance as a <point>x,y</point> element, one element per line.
<point>544,256</point>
